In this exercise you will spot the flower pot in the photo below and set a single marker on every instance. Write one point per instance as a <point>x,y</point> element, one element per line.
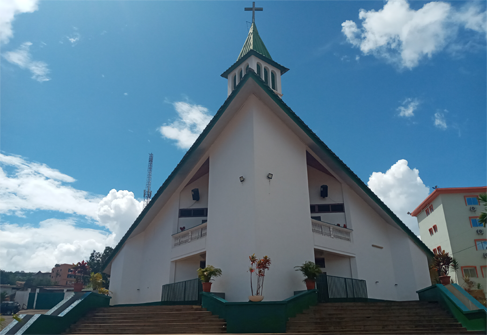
<point>206,287</point>
<point>445,280</point>
<point>256,298</point>
<point>78,287</point>
<point>310,284</point>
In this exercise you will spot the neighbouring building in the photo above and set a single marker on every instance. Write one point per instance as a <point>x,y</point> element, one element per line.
<point>448,220</point>
<point>62,275</point>
<point>258,180</point>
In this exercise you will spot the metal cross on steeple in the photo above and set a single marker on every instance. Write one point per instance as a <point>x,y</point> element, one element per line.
<point>253,9</point>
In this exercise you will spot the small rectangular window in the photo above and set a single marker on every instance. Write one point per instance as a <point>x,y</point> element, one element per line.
<point>323,208</point>
<point>316,218</point>
<point>474,222</point>
<point>313,209</point>
<point>435,251</point>
<point>427,211</point>
<point>320,261</point>
<point>193,212</point>
<point>435,228</point>
<point>481,244</point>
<point>472,201</point>
<point>431,208</point>
<point>439,250</point>
<point>469,271</point>
<point>431,231</point>
<point>337,208</point>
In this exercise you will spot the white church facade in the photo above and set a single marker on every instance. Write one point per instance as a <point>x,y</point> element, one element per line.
<point>258,180</point>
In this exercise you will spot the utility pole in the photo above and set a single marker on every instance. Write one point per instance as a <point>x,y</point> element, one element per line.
<point>147,191</point>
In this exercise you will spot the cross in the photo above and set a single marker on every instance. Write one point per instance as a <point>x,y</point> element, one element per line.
<point>253,9</point>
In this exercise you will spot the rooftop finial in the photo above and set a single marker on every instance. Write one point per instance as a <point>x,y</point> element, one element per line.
<point>253,9</point>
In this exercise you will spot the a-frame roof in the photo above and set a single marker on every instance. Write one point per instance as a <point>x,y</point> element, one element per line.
<point>315,143</point>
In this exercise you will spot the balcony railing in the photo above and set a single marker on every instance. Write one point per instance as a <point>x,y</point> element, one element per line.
<point>331,230</point>
<point>189,235</point>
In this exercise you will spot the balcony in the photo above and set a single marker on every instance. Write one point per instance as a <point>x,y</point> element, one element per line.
<point>330,237</point>
<point>189,241</point>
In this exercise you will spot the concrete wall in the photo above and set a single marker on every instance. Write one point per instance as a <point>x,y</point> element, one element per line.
<point>186,201</point>
<point>185,269</point>
<point>255,216</point>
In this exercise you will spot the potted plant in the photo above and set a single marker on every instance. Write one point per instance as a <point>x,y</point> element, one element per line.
<point>206,275</point>
<point>311,271</point>
<point>442,263</point>
<point>81,271</point>
<point>258,267</point>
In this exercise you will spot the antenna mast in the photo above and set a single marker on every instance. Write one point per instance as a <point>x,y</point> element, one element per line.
<point>147,191</point>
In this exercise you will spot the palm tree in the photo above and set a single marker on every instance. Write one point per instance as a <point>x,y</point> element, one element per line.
<point>483,214</point>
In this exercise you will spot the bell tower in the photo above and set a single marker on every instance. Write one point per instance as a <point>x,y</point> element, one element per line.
<point>254,55</point>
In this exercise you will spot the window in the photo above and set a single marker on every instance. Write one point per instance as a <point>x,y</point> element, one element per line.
<point>320,261</point>
<point>333,208</point>
<point>439,249</point>
<point>435,228</point>
<point>469,271</point>
<point>483,268</point>
<point>273,80</point>
<point>431,208</point>
<point>234,81</point>
<point>481,244</point>
<point>471,200</point>
<point>474,222</point>
<point>427,211</point>
<point>258,70</point>
<point>266,76</point>
<point>193,212</point>
<point>241,75</point>
<point>431,231</point>
<point>435,251</point>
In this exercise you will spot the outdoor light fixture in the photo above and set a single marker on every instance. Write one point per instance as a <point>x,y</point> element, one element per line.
<point>269,176</point>
<point>242,179</point>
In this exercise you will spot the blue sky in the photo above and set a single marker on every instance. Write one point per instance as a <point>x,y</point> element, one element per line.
<point>395,89</point>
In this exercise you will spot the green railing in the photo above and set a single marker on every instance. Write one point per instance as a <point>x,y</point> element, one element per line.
<point>258,317</point>
<point>184,292</point>
<point>473,318</point>
<point>332,288</point>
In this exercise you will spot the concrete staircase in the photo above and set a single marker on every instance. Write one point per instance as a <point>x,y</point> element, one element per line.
<point>408,317</point>
<point>149,320</point>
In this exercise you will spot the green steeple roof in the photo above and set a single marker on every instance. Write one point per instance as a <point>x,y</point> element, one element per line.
<point>254,42</point>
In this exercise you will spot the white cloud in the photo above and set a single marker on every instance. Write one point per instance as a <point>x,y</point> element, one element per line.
<point>405,36</point>
<point>118,210</point>
<point>408,107</point>
<point>8,10</point>
<point>401,189</point>
<point>22,58</point>
<point>74,38</point>
<point>54,241</point>
<point>192,120</point>
<point>440,121</point>
<point>28,187</point>
<point>34,186</point>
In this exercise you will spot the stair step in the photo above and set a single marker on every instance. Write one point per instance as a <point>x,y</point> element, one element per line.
<point>322,323</point>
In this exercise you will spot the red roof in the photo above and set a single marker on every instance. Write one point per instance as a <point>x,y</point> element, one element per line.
<point>450,190</point>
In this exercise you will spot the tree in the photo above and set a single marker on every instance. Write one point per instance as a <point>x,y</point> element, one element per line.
<point>483,214</point>
<point>96,261</point>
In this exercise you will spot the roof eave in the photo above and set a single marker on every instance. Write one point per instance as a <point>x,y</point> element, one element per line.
<point>281,68</point>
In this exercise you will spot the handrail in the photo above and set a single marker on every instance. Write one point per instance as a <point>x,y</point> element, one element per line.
<point>186,236</point>
<point>331,230</point>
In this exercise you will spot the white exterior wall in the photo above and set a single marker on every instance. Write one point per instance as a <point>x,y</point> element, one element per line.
<point>337,265</point>
<point>186,201</point>
<point>144,263</point>
<point>255,216</point>
<point>391,265</point>
<point>335,195</point>
<point>185,269</point>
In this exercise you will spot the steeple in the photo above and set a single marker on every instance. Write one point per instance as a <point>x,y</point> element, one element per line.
<point>254,55</point>
<point>254,42</point>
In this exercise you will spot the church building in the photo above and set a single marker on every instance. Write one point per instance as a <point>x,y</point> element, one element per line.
<point>259,180</point>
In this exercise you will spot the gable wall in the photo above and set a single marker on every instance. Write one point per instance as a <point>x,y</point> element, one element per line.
<point>186,201</point>
<point>399,262</point>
